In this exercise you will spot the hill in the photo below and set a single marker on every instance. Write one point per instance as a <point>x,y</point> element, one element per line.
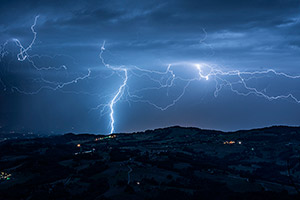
<point>169,163</point>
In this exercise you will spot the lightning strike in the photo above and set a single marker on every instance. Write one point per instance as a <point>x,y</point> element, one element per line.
<point>205,72</point>
<point>23,51</point>
<point>237,81</point>
<point>23,55</point>
<point>120,91</point>
<point>115,100</point>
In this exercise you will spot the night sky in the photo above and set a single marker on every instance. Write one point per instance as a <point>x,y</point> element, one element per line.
<point>41,94</point>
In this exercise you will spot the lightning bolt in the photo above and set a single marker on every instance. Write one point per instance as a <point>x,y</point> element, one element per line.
<point>218,74</point>
<point>115,100</point>
<point>205,72</point>
<point>120,91</point>
<point>238,82</point>
<point>57,87</point>
<point>23,55</point>
<point>23,51</point>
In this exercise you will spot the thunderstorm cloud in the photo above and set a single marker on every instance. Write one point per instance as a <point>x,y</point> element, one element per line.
<point>232,35</point>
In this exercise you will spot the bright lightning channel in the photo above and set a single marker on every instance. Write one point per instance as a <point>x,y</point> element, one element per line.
<point>160,79</point>
<point>120,91</point>
<point>23,51</point>
<point>205,72</point>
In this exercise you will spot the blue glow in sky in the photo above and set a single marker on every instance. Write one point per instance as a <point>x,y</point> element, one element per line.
<point>209,64</point>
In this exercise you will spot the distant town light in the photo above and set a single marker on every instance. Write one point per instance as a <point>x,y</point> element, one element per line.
<point>106,137</point>
<point>229,142</point>
<point>5,176</point>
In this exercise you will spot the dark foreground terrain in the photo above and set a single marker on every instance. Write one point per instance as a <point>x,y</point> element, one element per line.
<point>170,163</point>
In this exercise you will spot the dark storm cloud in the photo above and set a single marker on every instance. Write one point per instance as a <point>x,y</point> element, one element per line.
<point>153,21</point>
<point>248,25</point>
<point>232,26</point>
<point>215,14</point>
<point>233,33</point>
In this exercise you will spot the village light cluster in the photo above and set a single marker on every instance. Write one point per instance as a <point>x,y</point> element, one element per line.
<point>232,142</point>
<point>5,176</point>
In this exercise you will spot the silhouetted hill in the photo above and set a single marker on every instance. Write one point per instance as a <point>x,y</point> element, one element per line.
<point>168,163</point>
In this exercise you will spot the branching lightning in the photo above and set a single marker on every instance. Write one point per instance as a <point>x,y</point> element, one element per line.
<point>23,51</point>
<point>236,81</point>
<point>217,75</point>
<point>222,79</point>
<point>23,56</point>
<point>120,91</point>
